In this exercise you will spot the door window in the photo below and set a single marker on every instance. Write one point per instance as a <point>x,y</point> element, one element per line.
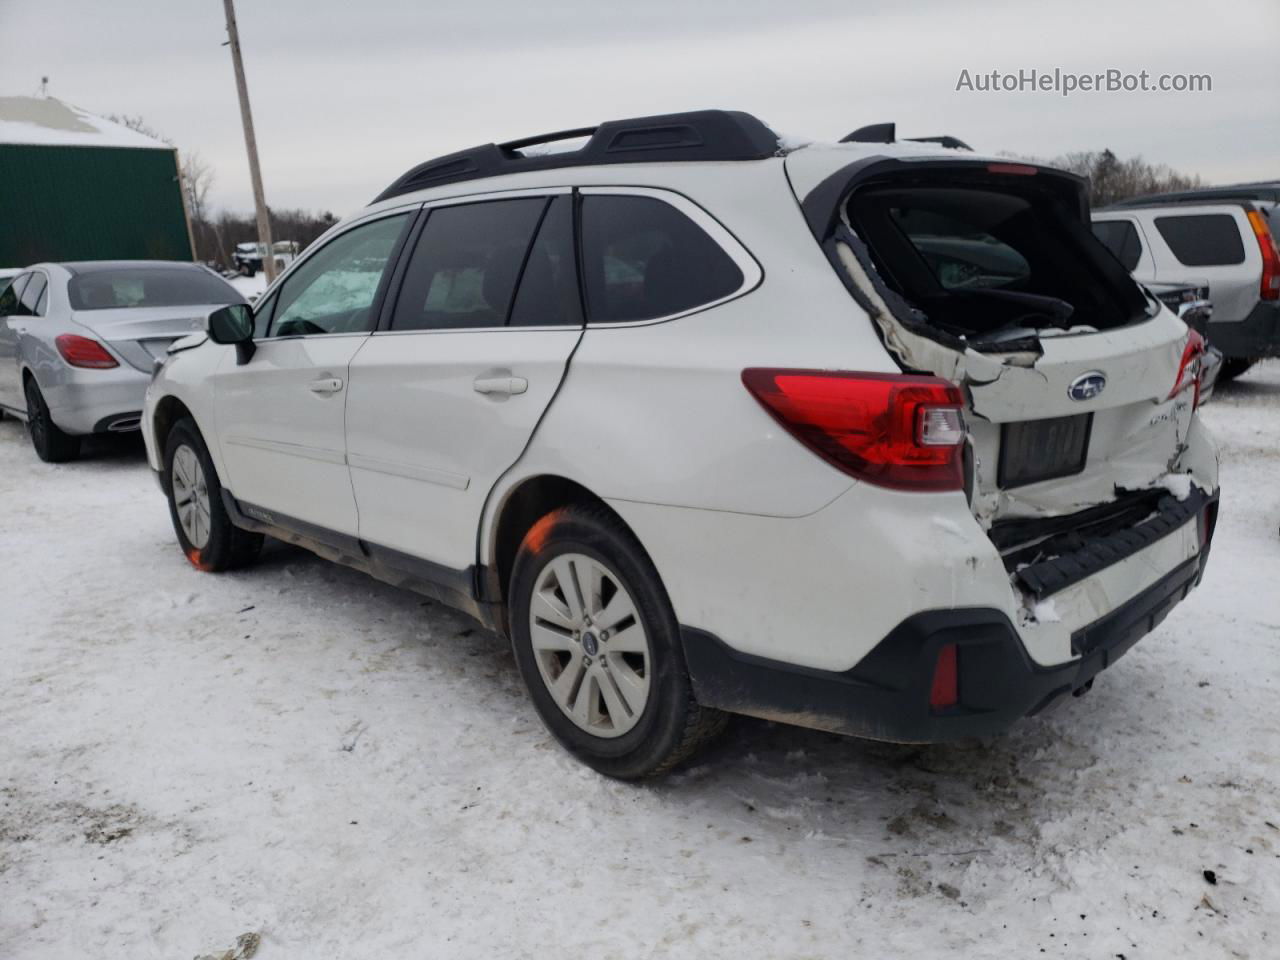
<point>548,293</point>
<point>335,289</point>
<point>33,298</point>
<point>9,300</point>
<point>466,264</point>
<point>1121,238</point>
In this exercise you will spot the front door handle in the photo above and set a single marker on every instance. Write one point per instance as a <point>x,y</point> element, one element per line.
<point>502,385</point>
<point>327,385</point>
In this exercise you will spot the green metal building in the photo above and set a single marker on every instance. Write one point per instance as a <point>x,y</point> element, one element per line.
<point>74,186</point>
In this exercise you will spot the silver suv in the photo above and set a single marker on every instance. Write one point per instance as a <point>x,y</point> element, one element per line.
<point>1224,237</point>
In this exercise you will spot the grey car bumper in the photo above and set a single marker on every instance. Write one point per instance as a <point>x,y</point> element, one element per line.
<point>96,401</point>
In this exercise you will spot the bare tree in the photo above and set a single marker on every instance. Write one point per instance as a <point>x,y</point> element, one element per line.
<point>139,125</point>
<point>197,181</point>
<point>1112,179</point>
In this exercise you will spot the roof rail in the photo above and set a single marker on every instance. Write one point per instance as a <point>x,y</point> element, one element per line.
<point>698,135</point>
<point>1265,190</point>
<point>887,133</point>
<point>949,142</point>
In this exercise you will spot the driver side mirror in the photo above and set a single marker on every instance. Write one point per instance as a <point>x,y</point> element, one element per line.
<point>233,324</point>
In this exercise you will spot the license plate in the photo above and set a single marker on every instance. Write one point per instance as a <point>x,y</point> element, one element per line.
<point>1035,450</point>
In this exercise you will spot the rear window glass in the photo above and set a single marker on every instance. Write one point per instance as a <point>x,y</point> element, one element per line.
<point>1203,240</point>
<point>643,259</point>
<point>1121,238</point>
<point>143,287</point>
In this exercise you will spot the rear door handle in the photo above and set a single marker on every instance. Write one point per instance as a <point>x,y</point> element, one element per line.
<point>503,385</point>
<point>328,385</point>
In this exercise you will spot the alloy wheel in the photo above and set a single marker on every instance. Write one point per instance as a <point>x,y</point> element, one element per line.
<point>191,496</point>
<point>590,645</point>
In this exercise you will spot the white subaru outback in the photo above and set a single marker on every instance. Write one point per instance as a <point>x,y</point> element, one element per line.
<point>873,437</point>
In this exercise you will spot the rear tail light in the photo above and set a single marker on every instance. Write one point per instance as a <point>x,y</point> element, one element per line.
<point>1270,256</point>
<point>83,352</point>
<point>898,431</point>
<point>1189,369</point>
<point>944,692</point>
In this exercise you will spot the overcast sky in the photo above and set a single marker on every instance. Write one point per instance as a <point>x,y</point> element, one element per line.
<point>347,95</point>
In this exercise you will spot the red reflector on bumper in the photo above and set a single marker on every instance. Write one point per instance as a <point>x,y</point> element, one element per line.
<point>945,691</point>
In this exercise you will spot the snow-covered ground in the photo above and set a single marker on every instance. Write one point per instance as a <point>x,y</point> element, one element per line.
<point>350,771</point>
<point>250,286</point>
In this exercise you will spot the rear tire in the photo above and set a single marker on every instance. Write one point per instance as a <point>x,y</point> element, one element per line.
<point>205,532</point>
<point>606,669</point>
<point>1233,367</point>
<point>52,445</point>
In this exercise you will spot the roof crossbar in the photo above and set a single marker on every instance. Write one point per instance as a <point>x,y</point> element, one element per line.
<point>703,135</point>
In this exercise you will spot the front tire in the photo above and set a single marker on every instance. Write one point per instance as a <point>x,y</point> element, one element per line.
<point>205,532</point>
<point>51,444</point>
<point>598,647</point>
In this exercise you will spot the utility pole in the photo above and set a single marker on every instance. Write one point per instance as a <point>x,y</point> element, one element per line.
<point>251,145</point>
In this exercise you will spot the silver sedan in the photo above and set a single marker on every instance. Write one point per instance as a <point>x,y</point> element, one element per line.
<point>78,342</point>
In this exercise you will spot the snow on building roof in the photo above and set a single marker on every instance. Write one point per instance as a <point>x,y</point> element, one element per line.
<point>50,122</point>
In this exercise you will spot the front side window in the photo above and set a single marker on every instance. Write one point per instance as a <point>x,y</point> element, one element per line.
<point>334,290</point>
<point>465,266</point>
<point>644,259</point>
<point>10,305</point>
<point>1121,238</point>
<point>33,295</point>
<point>149,287</point>
<point>1203,240</point>
<point>262,316</point>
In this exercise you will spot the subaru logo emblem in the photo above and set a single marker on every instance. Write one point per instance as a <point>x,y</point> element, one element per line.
<point>1087,385</point>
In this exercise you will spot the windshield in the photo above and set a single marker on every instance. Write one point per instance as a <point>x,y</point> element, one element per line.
<point>148,287</point>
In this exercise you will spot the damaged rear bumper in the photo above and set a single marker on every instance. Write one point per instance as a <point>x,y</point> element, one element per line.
<point>886,696</point>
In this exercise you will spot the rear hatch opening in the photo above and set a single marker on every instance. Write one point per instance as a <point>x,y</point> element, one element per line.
<point>1078,402</point>
<point>990,258</point>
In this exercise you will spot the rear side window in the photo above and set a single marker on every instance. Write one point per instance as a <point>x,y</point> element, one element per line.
<point>1121,238</point>
<point>9,300</point>
<point>464,269</point>
<point>33,297</point>
<point>148,287</point>
<point>1203,240</point>
<point>643,259</point>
